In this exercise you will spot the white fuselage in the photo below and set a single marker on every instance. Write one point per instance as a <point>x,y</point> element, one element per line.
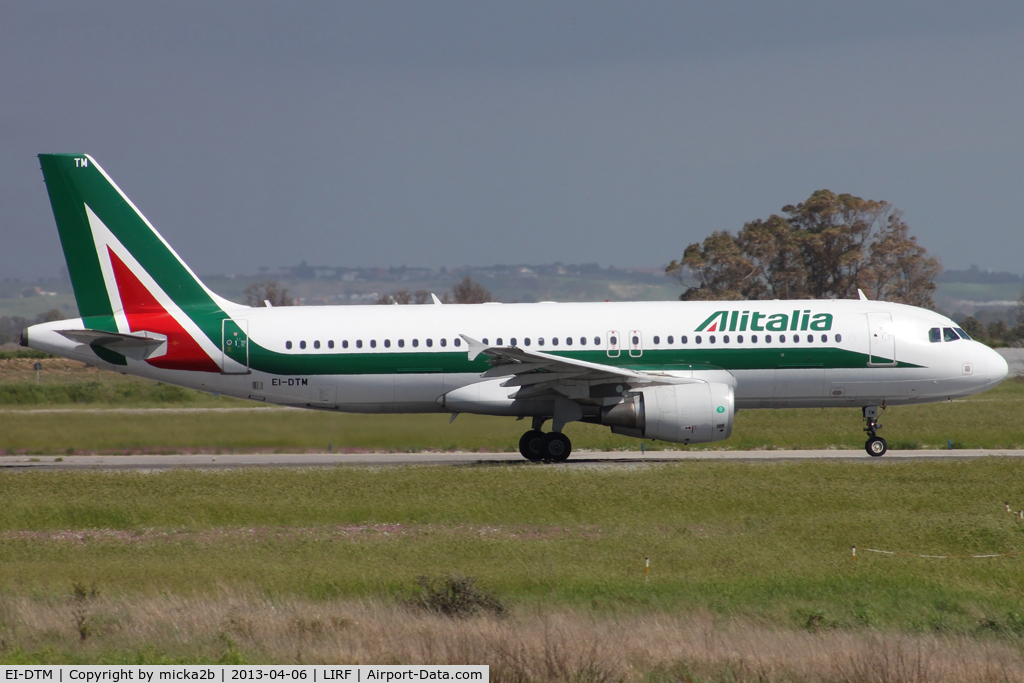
<point>399,359</point>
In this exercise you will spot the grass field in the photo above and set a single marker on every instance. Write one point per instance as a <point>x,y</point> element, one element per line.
<point>751,575</point>
<point>994,419</point>
<point>761,548</point>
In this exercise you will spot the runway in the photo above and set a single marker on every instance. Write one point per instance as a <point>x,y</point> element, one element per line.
<point>610,458</point>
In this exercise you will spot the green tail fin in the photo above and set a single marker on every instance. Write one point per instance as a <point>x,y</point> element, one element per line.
<point>99,225</point>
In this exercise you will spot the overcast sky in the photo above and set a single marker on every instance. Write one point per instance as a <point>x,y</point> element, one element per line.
<point>475,133</point>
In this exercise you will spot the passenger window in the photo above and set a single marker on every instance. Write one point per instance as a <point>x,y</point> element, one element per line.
<point>597,341</point>
<point>344,343</point>
<point>839,337</point>
<point>782,339</point>
<point>725,339</point>
<point>768,339</point>
<point>443,342</point>
<point>739,338</point>
<point>512,341</point>
<point>302,344</point>
<point>526,341</point>
<point>796,338</point>
<point>401,343</point>
<point>753,339</point>
<point>316,344</point>
<point>387,343</point>
<point>934,335</point>
<point>287,345</point>
<point>711,339</point>
<point>430,342</point>
<point>824,337</point>
<point>682,340</point>
<point>554,341</point>
<point>657,339</point>
<point>330,343</point>
<point>963,335</point>
<point>696,339</point>
<point>583,341</point>
<point>359,343</point>
<point>458,342</point>
<point>485,342</point>
<point>671,339</point>
<point>415,343</point>
<point>949,335</point>
<point>373,343</point>
<point>636,340</point>
<point>568,341</point>
<point>540,341</point>
<point>498,341</point>
<point>613,341</point>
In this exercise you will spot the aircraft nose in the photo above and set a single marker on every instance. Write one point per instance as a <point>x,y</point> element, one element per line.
<point>996,368</point>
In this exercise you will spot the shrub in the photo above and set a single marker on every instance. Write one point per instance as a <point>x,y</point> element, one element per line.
<point>455,596</point>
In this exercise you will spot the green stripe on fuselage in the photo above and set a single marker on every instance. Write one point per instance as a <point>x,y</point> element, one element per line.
<point>385,363</point>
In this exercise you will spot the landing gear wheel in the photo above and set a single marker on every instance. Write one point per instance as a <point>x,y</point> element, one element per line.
<point>556,447</point>
<point>876,446</point>
<point>530,445</point>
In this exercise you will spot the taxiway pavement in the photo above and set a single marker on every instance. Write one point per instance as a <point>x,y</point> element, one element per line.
<point>151,462</point>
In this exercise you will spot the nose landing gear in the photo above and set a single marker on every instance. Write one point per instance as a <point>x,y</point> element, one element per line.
<point>875,445</point>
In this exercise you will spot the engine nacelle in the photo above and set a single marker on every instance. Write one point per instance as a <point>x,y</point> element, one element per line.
<point>681,413</point>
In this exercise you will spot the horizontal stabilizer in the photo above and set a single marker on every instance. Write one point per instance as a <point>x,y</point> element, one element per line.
<point>138,346</point>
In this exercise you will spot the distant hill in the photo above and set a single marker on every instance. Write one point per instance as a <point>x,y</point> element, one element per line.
<point>975,275</point>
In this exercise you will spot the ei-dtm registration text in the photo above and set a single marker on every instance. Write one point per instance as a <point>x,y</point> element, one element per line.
<point>102,673</point>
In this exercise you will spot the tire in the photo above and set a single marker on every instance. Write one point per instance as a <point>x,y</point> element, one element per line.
<point>876,447</point>
<point>530,445</point>
<point>556,447</point>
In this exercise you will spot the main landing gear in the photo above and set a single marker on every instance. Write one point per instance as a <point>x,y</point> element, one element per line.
<point>537,446</point>
<point>875,445</point>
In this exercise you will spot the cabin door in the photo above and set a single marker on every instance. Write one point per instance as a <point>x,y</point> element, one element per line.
<point>235,347</point>
<point>881,340</point>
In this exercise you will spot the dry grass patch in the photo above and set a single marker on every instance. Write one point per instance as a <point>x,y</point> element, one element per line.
<point>526,646</point>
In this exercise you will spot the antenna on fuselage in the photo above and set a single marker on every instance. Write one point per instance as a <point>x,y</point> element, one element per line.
<point>860,295</point>
<point>434,297</point>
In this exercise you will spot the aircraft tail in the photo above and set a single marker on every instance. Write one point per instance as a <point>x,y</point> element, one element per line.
<point>125,276</point>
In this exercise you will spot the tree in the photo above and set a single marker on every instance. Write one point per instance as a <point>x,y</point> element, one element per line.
<point>1020,308</point>
<point>470,292</point>
<point>11,326</point>
<point>826,247</point>
<point>258,293</point>
<point>401,297</point>
<point>973,327</point>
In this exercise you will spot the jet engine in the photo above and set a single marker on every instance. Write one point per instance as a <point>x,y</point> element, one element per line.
<point>681,413</point>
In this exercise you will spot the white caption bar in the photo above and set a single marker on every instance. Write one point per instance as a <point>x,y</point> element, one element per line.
<point>220,673</point>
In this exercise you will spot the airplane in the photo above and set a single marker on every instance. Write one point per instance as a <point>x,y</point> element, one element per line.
<point>672,371</point>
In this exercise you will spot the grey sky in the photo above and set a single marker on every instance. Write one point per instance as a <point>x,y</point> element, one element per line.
<point>472,133</point>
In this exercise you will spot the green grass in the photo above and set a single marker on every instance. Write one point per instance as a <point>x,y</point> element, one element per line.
<point>765,540</point>
<point>994,419</point>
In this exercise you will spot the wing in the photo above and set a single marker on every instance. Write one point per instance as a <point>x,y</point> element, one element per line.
<point>538,372</point>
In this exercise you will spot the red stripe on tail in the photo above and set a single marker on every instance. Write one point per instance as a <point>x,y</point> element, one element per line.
<point>144,312</point>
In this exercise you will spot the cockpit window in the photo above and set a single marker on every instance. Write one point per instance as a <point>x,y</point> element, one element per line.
<point>963,335</point>
<point>949,335</point>
<point>934,335</point>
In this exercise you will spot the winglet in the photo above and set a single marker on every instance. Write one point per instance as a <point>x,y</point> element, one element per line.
<point>861,296</point>
<point>475,347</point>
<point>437,302</point>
